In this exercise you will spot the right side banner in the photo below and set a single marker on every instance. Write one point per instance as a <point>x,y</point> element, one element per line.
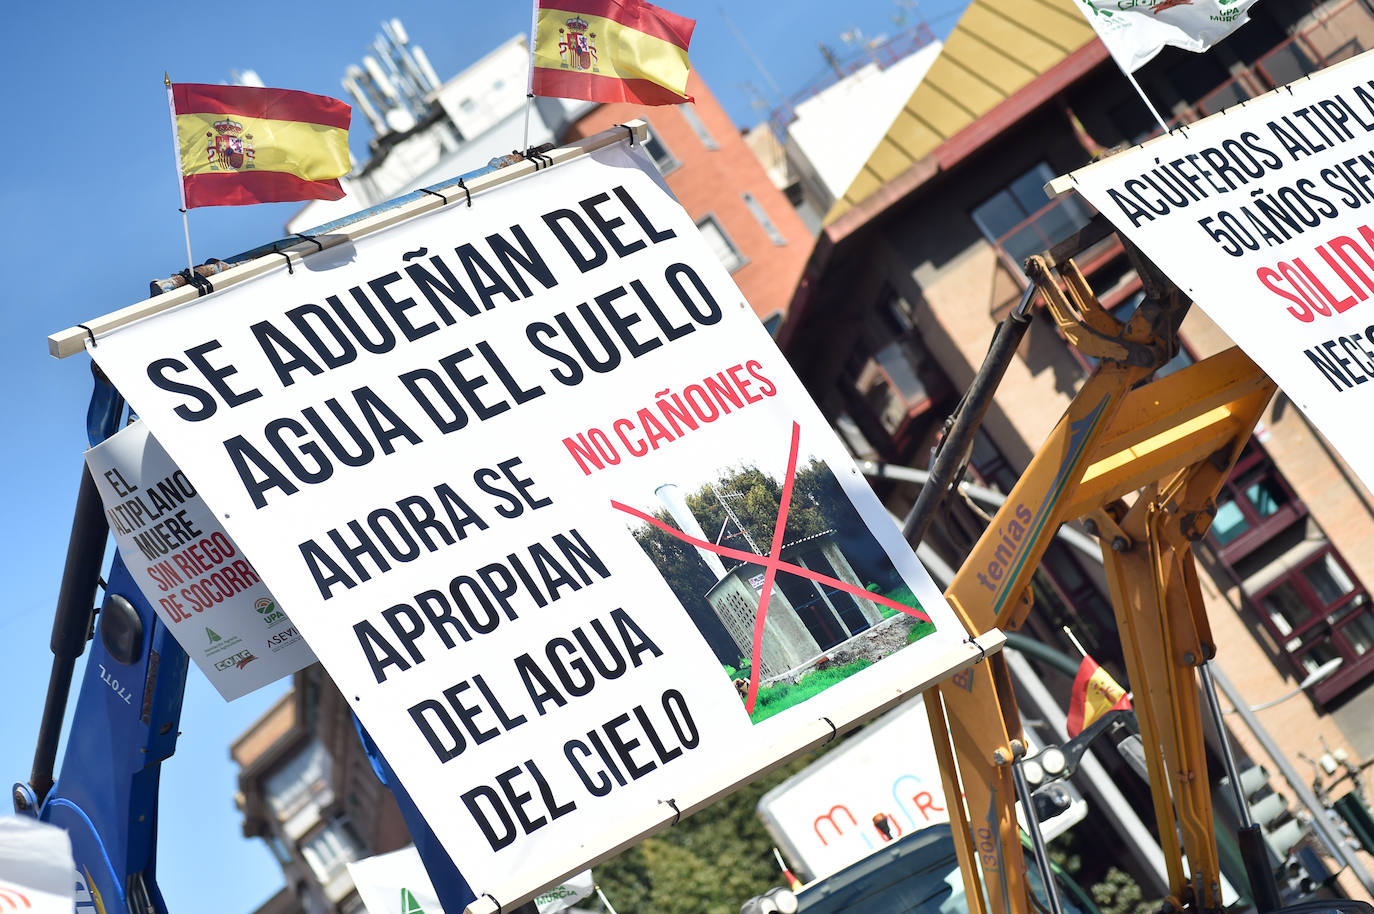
<point>1262,215</point>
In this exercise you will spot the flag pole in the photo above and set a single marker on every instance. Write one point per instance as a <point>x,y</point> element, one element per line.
<point>176,160</point>
<point>529,84</point>
<point>1159,118</point>
<point>1075,641</point>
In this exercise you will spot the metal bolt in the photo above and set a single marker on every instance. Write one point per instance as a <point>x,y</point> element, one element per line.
<point>1000,757</point>
<point>1018,748</point>
<point>1120,544</point>
<point>1190,659</point>
<point>21,799</point>
<point>1090,525</point>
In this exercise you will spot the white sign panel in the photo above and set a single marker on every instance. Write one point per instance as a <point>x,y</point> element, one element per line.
<point>1263,215</point>
<point>397,883</point>
<point>449,448</point>
<point>880,785</point>
<point>199,582</point>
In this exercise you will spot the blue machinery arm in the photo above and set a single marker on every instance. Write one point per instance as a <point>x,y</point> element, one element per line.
<point>127,710</point>
<point>129,702</point>
<point>125,724</point>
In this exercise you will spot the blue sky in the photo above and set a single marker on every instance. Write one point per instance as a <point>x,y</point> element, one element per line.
<point>89,204</point>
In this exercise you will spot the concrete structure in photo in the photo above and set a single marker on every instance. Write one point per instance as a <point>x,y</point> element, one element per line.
<point>920,258</point>
<point>805,619</point>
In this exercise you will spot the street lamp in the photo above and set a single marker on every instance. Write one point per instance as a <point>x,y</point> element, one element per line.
<point>1314,677</point>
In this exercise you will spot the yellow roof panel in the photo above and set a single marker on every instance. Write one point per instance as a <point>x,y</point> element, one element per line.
<point>997,48</point>
<point>977,90</point>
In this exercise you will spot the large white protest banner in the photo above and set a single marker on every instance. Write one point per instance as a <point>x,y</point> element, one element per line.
<point>454,449</point>
<point>197,580</point>
<point>1262,215</point>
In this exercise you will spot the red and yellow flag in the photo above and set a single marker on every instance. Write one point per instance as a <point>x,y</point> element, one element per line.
<point>239,145</point>
<point>610,51</point>
<point>1095,693</point>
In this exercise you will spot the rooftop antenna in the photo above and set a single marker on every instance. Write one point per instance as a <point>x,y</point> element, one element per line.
<point>831,59</point>
<point>352,82</point>
<point>768,77</point>
<point>757,101</point>
<point>725,498</point>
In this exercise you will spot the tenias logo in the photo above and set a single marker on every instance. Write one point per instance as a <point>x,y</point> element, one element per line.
<point>1011,533</point>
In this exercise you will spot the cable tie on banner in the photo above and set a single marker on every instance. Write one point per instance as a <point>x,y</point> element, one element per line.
<point>677,813</point>
<point>203,286</point>
<point>833,732</point>
<point>89,335</point>
<point>291,270</point>
<point>311,238</point>
<point>434,193</point>
<point>630,130</point>
<point>493,901</point>
<point>466,191</point>
<point>982,651</point>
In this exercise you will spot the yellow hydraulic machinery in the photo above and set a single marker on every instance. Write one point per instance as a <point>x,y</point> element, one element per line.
<point>1139,461</point>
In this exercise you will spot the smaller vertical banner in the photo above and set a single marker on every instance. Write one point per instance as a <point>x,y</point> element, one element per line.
<point>201,585</point>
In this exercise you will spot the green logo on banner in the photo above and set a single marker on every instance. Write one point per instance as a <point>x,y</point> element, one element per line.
<point>408,903</point>
<point>210,632</point>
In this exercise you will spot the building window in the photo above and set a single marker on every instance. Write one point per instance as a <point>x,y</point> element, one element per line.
<point>720,243</point>
<point>890,371</point>
<point>1288,62</point>
<point>279,849</point>
<point>1020,221</point>
<point>694,121</point>
<point>854,439</point>
<point>659,153</point>
<point>1319,613</point>
<point>1254,504</point>
<point>330,848</point>
<point>301,778</point>
<point>890,385</point>
<point>1309,601</point>
<point>757,209</point>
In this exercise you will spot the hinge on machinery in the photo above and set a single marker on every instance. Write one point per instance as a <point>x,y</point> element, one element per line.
<point>1103,525</point>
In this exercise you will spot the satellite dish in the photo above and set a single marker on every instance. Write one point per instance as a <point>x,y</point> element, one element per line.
<point>399,119</point>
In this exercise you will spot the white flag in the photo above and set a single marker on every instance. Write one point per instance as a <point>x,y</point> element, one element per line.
<point>1134,31</point>
<point>37,874</point>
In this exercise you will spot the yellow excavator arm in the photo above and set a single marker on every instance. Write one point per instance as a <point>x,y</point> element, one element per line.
<point>1140,464</point>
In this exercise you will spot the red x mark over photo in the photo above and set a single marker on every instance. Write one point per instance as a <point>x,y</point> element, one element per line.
<point>772,564</point>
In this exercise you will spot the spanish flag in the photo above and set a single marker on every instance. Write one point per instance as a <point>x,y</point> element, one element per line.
<point>610,51</point>
<point>1095,693</point>
<point>238,145</point>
